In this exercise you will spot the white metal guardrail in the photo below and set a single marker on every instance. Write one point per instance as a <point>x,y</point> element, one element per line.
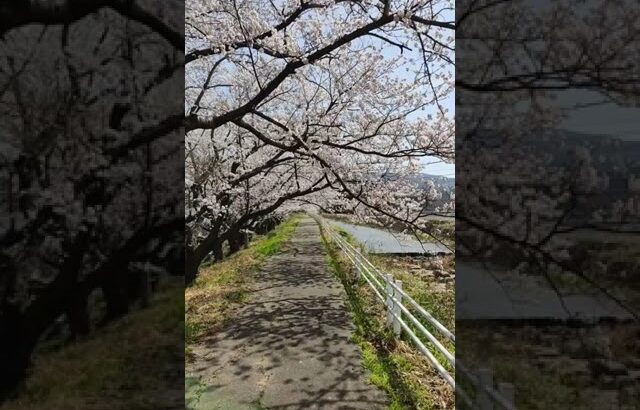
<point>398,304</point>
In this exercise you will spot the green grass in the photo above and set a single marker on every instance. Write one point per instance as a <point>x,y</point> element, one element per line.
<point>118,367</point>
<point>569,281</point>
<point>273,241</point>
<point>393,365</point>
<point>194,389</point>
<point>221,286</point>
<point>441,304</point>
<point>258,405</point>
<point>443,230</point>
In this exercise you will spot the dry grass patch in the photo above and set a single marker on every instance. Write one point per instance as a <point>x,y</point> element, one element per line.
<point>132,363</point>
<point>218,287</point>
<point>439,300</point>
<point>222,286</point>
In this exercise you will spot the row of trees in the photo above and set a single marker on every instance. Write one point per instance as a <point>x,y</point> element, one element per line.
<point>323,102</point>
<point>91,164</point>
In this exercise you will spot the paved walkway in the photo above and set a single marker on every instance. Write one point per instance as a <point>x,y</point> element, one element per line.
<point>290,346</point>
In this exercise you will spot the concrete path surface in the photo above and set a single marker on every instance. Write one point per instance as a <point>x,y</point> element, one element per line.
<point>289,346</point>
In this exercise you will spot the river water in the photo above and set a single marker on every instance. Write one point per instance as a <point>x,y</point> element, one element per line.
<point>481,294</point>
<point>381,241</point>
<point>511,296</point>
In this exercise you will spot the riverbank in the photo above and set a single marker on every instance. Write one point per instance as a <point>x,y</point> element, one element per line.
<point>581,366</point>
<point>381,241</point>
<point>441,229</point>
<point>395,364</point>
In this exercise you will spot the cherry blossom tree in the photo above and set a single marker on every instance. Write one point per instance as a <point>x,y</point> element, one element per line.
<point>523,183</point>
<point>90,191</point>
<point>321,102</point>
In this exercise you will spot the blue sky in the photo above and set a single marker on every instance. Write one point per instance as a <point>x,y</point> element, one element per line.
<point>439,168</point>
<point>431,165</point>
<point>434,166</point>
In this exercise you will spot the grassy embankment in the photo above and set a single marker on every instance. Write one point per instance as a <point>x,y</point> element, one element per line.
<point>395,365</point>
<point>513,353</point>
<point>564,381</point>
<point>139,357</point>
<point>442,228</point>
<point>132,363</point>
<point>222,286</point>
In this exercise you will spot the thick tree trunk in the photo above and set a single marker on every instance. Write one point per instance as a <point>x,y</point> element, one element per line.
<point>15,351</point>
<point>194,257</point>
<point>235,242</point>
<point>218,254</point>
<point>191,265</point>
<point>117,297</point>
<point>176,261</point>
<point>234,246</point>
<point>78,314</point>
<point>21,329</point>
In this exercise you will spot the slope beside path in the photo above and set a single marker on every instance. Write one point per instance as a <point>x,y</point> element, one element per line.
<point>289,346</point>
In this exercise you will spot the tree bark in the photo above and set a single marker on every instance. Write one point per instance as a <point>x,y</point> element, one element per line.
<point>218,254</point>
<point>14,355</point>
<point>191,265</point>
<point>234,245</point>
<point>235,241</point>
<point>195,256</point>
<point>78,314</point>
<point>117,297</point>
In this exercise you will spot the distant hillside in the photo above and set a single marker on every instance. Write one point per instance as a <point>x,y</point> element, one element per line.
<point>420,179</point>
<point>611,157</point>
<point>440,180</point>
<point>444,185</point>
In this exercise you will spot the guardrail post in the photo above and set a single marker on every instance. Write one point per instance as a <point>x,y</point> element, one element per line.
<point>397,329</point>
<point>357,264</point>
<point>507,391</point>
<point>389,291</point>
<point>483,399</point>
